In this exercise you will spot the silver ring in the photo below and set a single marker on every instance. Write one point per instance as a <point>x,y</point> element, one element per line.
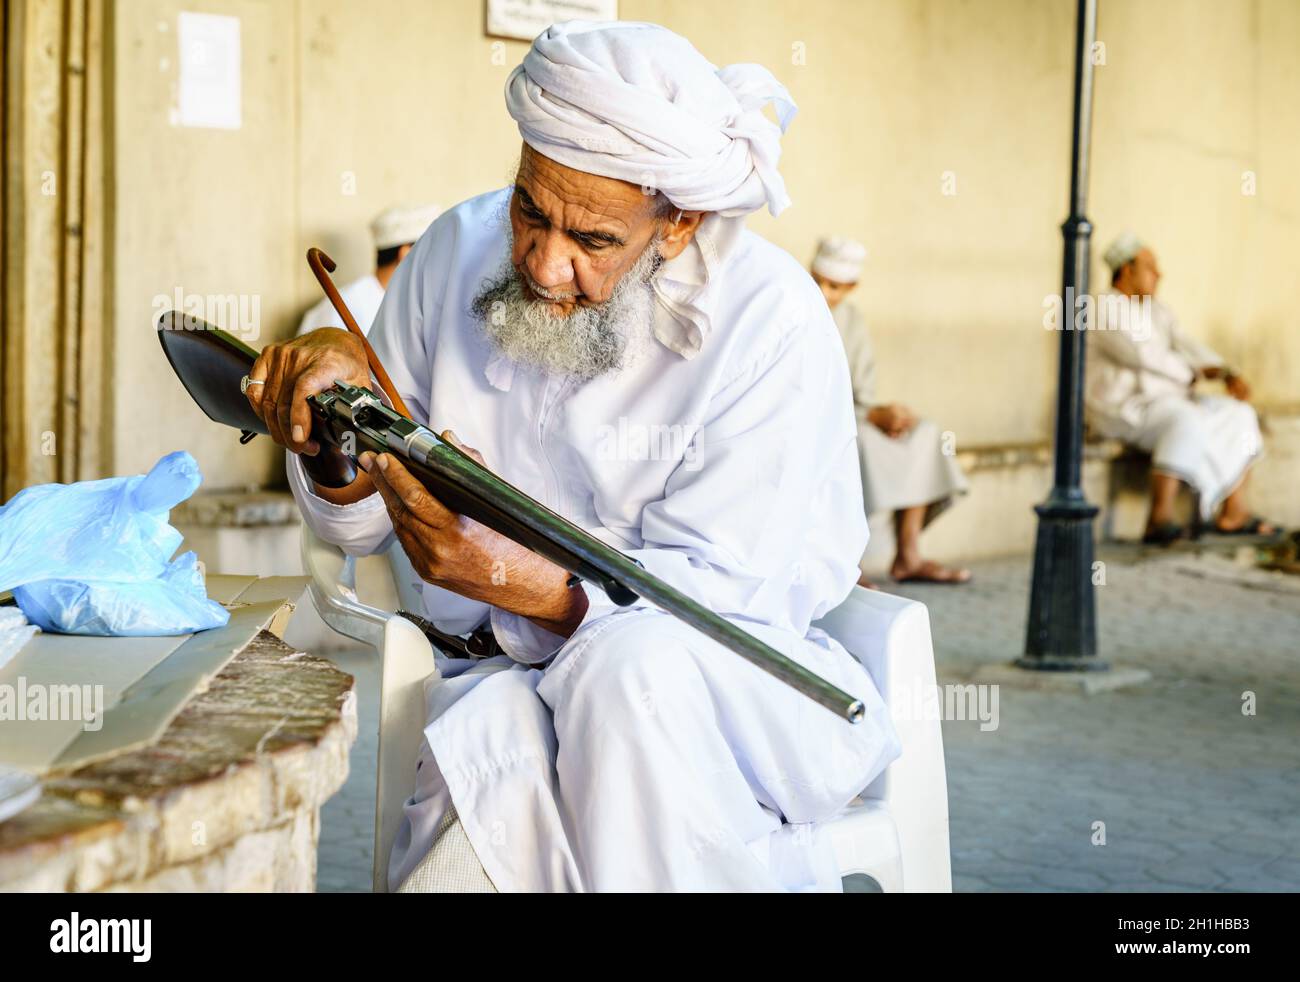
<point>245,382</point>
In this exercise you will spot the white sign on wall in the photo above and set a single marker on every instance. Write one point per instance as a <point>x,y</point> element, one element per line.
<point>525,19</point>
<point>208,92</point>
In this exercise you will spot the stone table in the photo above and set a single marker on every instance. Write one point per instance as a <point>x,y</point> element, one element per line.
<point>227,799</point>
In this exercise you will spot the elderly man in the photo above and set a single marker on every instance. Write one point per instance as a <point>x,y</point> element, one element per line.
<point>905,470</point>
<point>1141,370</point>
<point>395,231</point>
<point>614,288</point>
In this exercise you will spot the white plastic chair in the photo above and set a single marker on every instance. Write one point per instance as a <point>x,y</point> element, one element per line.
<point>896,832</point>
<point>405,662</point>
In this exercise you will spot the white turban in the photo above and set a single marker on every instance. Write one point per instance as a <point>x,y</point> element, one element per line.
<point>839,259</point>
<point>402,225</point>
<point>638,103</point>
<point>1122,251</point>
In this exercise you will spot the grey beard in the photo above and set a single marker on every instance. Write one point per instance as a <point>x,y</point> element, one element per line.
<point>589,342</point>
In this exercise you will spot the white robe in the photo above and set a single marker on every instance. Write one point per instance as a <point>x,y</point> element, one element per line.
<point>643,756</point>
<point>362,297</point>
<point>897,472</point>
<point>1141,367</point>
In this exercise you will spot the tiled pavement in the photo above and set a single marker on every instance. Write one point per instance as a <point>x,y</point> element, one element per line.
<point>347,821</point>
<point>1193,793</point>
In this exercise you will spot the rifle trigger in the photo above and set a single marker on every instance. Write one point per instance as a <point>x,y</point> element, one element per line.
<point>245,436</point>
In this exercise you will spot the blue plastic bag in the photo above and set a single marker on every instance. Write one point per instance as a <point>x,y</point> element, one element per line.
<point>94,557</point>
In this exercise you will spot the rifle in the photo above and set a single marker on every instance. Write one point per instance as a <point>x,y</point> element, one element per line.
<point>348,420</point>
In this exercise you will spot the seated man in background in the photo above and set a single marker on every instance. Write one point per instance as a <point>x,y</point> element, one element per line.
<point>905,469</point>
<point>395,231</point>
<point>1141,369</point>
<point>614,287</point>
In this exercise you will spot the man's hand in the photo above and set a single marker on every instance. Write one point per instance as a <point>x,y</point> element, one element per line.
<point>295,370</point>
<point>1237,387</point>
<point>893,420</point>
<point>1235,384</point>
<point>459,554</point>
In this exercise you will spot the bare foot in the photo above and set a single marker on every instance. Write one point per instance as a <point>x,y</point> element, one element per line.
<point>866,583</point>
<point>927,571</point>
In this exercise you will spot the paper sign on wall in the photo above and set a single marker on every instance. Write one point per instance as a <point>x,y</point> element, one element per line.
<point>209,88</point>
<point>525,19</point>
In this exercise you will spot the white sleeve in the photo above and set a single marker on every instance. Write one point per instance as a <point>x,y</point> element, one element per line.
<point>862,362</point>
<point>1199,355</point>
<point>523,640</point>
<point>363,529</point>
<point>764,520</point>
<point>359,529</point>
<point>1126,345</point>
<point>1116,345</point>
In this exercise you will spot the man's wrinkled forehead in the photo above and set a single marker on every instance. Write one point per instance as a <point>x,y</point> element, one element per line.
<point>579,200</point>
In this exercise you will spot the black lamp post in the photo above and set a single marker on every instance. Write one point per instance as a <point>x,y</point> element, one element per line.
<point>1062,633</point>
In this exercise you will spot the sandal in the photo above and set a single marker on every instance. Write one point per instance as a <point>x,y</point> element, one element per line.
<point>932,572</point>
<point>1164,534</point>
<point>1250,526</point>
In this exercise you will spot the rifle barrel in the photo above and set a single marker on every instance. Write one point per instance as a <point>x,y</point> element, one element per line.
<point>464,485</point>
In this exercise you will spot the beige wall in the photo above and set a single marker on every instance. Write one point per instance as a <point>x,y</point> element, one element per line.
<point>1194,95</point>
<point>211,212</point>
<point>401,100</point>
